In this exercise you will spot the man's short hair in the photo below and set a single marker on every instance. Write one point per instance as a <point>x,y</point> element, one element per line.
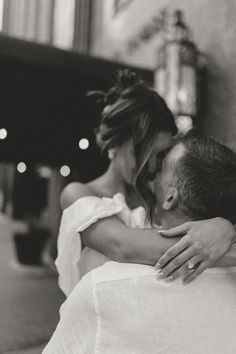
<point>206,178</point>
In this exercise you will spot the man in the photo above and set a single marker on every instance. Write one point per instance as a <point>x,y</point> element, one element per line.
<point>122,308</point>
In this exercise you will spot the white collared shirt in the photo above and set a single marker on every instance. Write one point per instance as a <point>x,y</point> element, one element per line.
<point>123,309</point>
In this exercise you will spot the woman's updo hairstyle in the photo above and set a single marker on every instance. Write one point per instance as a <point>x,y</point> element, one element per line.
<point>132,110</point>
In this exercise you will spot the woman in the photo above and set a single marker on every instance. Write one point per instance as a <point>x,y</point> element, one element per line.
<point>136,127</point>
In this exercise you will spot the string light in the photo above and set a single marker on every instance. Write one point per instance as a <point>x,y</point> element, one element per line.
<point>21,167</point>
<point>65,171</point>
<point>83,144</point>
<point>3,133</point>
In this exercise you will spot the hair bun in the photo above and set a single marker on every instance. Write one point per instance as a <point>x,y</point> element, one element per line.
<point>125,80</point>
<point>98,96</point>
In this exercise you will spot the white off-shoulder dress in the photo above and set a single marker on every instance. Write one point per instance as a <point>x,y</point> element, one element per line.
<point>72,262</point>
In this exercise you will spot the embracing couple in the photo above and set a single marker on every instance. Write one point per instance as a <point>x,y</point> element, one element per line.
<point>132,241</point>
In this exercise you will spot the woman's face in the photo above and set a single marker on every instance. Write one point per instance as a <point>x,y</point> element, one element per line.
<point>125,161</point>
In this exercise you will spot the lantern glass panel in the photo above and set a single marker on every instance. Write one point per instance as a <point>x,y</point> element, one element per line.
<point>173,76</point>
<point>161,81</point>
<point>187,93</point>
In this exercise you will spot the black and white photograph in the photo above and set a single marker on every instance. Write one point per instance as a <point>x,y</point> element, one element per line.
<point>118,177</point>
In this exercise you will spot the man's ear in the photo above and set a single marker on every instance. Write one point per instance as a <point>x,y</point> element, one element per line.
<point>171,199</point>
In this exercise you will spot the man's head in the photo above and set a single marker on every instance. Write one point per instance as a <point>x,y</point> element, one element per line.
<point>197,180</point>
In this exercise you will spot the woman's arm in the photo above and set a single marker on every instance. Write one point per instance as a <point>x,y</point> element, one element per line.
<point>111,237</point>
<point>208,239</point>
<point>115,240</point>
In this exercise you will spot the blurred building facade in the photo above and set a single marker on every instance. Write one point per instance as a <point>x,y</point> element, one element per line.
<point>120,34</point>
<point>115,30</point>
<point>60,23</point>
<point>64,24</point>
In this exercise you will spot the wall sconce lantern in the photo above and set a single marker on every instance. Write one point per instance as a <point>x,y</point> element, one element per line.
<point>176,74</point>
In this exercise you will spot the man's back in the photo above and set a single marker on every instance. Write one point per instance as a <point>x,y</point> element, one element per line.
<point>123,308</point>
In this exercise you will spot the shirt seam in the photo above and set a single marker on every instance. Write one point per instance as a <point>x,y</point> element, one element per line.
<point>214,270</point>
<point>128,278</point>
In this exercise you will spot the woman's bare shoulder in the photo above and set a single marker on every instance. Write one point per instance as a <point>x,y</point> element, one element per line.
<point>73,191</point>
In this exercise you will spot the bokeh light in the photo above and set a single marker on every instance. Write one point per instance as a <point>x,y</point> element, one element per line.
<point>3,133</point>
<point>83,144</point>
<point>21,167</point>
<point>65,171</point>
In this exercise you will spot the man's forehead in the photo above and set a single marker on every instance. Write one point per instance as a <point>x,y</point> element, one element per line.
<point>174,155</point>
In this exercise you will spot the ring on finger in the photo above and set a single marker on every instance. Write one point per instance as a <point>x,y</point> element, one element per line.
<point>190,265</point>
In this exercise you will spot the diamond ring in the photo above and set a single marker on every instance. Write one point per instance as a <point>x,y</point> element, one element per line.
<point>190,265</point>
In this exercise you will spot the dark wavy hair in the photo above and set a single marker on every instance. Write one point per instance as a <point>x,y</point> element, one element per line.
<point>206,178</point>
<point>132,110</point>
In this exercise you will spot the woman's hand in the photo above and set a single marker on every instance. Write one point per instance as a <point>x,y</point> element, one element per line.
<point>203,244</point>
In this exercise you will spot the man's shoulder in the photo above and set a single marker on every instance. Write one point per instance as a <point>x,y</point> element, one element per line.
<point>114,271</point>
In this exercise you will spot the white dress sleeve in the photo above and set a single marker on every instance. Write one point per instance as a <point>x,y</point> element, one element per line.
<point>75,219</point>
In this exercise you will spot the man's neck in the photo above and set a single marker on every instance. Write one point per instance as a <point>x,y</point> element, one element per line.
<point>173,219</point>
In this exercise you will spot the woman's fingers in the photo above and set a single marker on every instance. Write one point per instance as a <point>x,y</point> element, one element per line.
<point>195,261</point>
<point>176,231</point>
<point>184,271</point>
<point>177,262</point>
<point>199,269</point>
<point>172,253</point>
